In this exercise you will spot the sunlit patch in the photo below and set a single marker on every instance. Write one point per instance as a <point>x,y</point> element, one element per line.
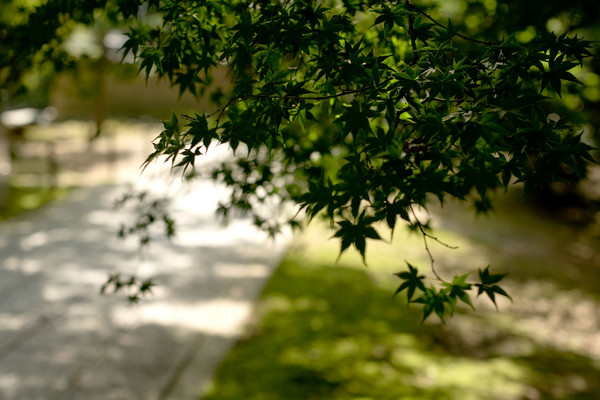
<point>223,317</point>
<point>9,383</point>
<point>29,266</point>
<point>241,271</point>
<point>555,25</point>
<point>83,42</point>
<point>34,240</point>
<point>12,322</point>
<point>526,35</point>
<point>565,320</point>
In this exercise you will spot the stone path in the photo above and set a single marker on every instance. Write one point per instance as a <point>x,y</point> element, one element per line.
<point>60,339</point>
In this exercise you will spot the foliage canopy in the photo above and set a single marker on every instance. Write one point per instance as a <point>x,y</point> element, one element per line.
<point>360,111</point>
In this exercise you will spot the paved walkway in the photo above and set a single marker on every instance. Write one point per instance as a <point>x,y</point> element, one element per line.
<point>59,339</point>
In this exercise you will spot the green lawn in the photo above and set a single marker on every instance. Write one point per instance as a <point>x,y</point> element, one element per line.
<point>21,199</point>
<point>327,331</point>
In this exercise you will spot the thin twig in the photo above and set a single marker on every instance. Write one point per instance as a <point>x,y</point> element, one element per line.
<point>425,237</point>
<point>297,97</point>
<point>221,110</point>
<point>450,100</point>
<point>440,242</point>
<point>431,259</point>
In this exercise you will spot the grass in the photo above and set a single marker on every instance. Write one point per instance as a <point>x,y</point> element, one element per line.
<point>325,331</point>
<point>20,199</point>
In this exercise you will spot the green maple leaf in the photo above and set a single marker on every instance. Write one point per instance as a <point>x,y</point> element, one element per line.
<point>412,282</point>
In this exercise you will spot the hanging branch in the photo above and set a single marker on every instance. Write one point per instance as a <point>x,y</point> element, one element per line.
<point>428,236</point>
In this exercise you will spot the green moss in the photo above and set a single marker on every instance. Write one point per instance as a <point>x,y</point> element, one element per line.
<point>334,331</point>
<point>19,199</point>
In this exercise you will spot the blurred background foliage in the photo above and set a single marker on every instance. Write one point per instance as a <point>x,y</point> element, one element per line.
<point>70,63</point>
<point>73,63</point>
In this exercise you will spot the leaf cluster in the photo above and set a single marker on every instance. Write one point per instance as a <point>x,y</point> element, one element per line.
<point>359,116</point>
<point>136,289</point>
<point>309,85</point>
<point>443,300</point>
<point>148,212</point>
<point>355,110</point>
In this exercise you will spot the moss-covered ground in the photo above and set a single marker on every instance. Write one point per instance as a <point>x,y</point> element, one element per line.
<point>21,199</point>
<point>334,331</point>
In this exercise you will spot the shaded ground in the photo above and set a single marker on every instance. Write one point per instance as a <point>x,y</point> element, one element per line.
<point>335,332</point>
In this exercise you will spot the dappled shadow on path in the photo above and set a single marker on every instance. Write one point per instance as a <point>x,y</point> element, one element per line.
<point>60,338</point>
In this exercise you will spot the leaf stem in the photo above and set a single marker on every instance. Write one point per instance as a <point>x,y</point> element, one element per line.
<point>428,236</point>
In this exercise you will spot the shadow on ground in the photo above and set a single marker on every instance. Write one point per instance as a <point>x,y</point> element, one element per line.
<point>336,332</point>
<point>59,338</point>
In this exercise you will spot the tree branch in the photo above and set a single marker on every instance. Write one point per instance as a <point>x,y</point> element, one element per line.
<point>425,237</point>
<point>297,97</point>
<point>221,110</point>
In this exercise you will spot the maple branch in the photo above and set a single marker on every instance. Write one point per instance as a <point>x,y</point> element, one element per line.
<point>221,110</point>
<point>425,237</point>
